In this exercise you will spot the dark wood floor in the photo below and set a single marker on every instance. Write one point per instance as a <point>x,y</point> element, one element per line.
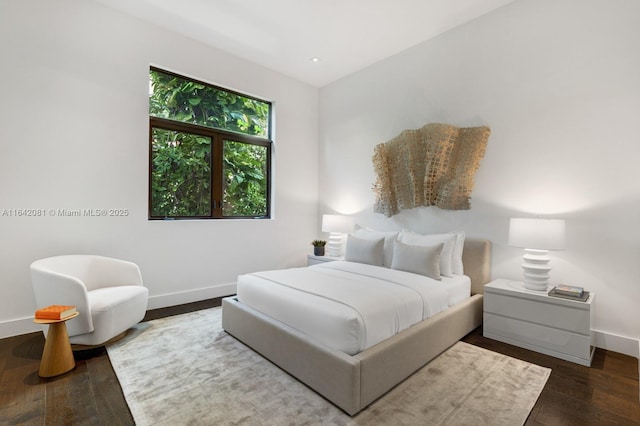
<point>605,394</point>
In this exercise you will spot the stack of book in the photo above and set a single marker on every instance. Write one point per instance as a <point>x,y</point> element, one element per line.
<point>55,312</point>
<point>569,292</point>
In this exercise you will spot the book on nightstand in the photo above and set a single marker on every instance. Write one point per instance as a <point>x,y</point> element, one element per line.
<point>569,290</point>
<point>580,296</point>
<point>55,312</point>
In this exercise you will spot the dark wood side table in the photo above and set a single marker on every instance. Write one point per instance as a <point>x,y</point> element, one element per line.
<point>57,357</point>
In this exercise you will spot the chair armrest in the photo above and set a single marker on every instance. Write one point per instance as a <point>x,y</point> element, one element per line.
<point>51,288</point>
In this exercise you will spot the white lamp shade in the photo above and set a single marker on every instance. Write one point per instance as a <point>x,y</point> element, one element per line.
<point>336,223</point>
<point>535,233</point>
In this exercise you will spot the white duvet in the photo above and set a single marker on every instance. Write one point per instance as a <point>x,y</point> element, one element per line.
<point>349,306</point>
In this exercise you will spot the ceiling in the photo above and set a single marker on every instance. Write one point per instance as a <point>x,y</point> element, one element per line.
<point>284,35</point>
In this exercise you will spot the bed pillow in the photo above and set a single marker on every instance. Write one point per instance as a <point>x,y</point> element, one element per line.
<point>364,250</point>
<point>456,261</point>
<point>389,238</point>
<point>448,241</point>
<point>423,260</point>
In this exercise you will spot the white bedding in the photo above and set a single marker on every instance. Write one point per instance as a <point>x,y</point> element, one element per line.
<point>349,306</point>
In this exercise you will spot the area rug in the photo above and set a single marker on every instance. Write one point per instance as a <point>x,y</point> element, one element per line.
<point>185,370</point>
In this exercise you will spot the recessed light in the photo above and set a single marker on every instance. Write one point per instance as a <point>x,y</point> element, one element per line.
<point>315,59</point>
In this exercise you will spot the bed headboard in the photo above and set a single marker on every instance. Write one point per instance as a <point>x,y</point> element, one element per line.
<point>476,259</point>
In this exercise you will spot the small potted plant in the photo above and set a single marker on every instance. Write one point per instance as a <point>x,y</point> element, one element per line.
<point>318,247</point>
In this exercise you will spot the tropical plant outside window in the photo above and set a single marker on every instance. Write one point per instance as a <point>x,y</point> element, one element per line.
<point>210,151</point>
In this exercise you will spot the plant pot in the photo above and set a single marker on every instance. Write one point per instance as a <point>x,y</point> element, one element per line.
<point>318,250</point>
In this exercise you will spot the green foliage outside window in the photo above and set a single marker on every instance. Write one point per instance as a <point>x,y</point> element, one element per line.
<point>188,119</point>
<point>188,101</point>
<point>245,183</point>
<point>180,174</point>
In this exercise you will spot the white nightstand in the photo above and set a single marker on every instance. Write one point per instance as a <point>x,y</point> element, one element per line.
<point>314,260</point>
<point>539,322</point>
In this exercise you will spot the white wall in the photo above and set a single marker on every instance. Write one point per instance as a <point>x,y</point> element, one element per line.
<point>74,135</point>
<point>558,82</point>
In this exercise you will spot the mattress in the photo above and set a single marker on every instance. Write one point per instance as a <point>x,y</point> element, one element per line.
<point>349,306</point>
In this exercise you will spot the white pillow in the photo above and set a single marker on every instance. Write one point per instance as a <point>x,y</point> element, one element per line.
<point>364,250</point>
<point>389,238</point>
<point>456,261</point>
<point>423,260</point>
<point>448,241</point>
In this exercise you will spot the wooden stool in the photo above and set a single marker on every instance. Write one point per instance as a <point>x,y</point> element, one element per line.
<point>57,357</point>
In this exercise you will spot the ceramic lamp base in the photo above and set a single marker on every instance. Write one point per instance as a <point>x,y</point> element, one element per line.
<point>334,246</point>
<point>536,269</point>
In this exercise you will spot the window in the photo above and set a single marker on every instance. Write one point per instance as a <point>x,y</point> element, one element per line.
<point>210,151</point>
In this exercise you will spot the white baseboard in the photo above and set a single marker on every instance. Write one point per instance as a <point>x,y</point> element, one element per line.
<point>180,298</point>
<point>26,325</point>
<point>18,326</point>
<point>621,344</point>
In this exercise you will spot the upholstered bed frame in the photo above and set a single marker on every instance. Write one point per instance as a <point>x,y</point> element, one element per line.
<point>354,382</point>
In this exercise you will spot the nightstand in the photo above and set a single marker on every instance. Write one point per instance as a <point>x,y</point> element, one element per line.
<point>314,260</point>
<point>536,321</point>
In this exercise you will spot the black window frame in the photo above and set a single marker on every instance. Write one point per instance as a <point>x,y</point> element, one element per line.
<point>218,137</point>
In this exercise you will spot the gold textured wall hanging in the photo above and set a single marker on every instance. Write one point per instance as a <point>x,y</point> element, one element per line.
<point>431,166</point>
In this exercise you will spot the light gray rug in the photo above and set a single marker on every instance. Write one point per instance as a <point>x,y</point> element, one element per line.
<point>185,370</point>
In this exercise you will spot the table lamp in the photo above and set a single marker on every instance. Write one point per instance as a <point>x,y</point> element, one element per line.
<point>337,225</point>
<point>537,236</point>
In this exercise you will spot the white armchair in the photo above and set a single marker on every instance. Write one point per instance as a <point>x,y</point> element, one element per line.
<point>107,292</point>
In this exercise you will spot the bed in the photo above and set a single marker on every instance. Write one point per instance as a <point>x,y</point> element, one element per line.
<point>354,380</point>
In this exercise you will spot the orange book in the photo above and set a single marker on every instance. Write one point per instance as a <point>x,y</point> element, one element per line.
<point>55,312</point>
